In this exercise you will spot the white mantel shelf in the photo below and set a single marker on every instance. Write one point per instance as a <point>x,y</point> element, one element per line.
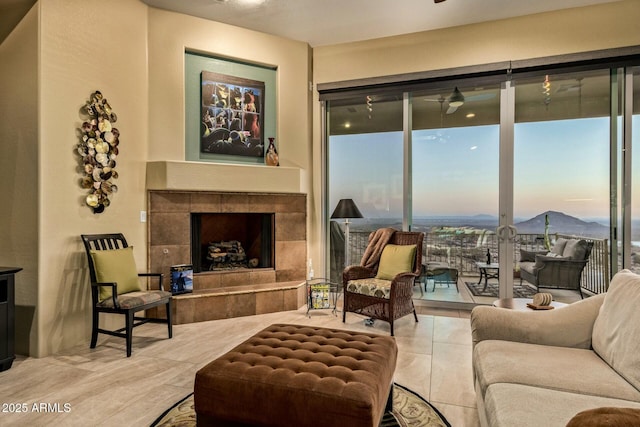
<point>203,176</point>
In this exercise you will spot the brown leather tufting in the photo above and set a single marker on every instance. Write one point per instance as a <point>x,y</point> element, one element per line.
<point>292,375</point>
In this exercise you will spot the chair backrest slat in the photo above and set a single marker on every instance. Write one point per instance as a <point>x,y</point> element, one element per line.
<point>101,242</point>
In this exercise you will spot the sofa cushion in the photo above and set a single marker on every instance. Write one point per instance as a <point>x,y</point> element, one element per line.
<point>508,405</point>
<point>575,249</point>
<point>396,259</point>
<point>617,327</point>
<point>560,368</point>
<point>528,267</point>
<point>558,247</point>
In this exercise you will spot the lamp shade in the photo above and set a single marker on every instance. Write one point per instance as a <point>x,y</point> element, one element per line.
<point>346,209</point>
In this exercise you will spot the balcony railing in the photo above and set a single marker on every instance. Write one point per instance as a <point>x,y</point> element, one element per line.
<point>461,250</point>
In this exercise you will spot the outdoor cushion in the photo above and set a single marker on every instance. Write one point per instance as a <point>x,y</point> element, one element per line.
<point>371,286</point>
<point>528,256</point>
<point>575,249</point>
<point>558,247</point>
<point>396,259</point>
<point>617,328</point>
<point>116,265</point>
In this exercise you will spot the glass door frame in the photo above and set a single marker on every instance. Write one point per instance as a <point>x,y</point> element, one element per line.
<point>506,231</point>
<point>622,106</point>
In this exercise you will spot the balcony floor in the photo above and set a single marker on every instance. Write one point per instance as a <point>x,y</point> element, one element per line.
<point>448,294</point>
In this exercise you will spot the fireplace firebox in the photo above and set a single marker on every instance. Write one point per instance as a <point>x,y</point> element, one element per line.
<point>229,241</point>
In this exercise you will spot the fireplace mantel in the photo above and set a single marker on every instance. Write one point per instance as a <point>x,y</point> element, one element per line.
<point>202,176</point>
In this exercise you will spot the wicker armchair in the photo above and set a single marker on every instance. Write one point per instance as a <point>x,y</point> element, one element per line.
<point>400,297</point>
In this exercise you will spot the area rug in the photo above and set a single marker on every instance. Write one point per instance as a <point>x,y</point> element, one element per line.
<point>524,291</point>
<point>409,410</point>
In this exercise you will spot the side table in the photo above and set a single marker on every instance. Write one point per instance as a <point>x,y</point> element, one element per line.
<point>487,271</point>
<point>322,294</point>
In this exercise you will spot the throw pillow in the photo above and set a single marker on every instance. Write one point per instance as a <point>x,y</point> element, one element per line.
<point>395,259</point>
<point>575,249</point>
<point>617,327</point>
<point>527,256</point>
<point>558,247</point>
<point>542,259</point>
<point>116,265</point>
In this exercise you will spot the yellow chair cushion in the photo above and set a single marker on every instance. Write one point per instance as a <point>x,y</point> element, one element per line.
<point>116,265</point>
<point>396,259</point>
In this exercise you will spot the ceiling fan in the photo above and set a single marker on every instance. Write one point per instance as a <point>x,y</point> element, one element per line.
<point>438,1</point>
<point>457,99</point>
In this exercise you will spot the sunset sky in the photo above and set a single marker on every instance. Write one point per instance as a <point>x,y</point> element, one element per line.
<point>559,165</point>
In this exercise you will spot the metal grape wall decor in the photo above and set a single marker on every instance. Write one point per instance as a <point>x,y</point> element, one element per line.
<point>98,149</point>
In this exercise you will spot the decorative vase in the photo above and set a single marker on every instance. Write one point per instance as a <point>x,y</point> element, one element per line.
<point>272,158</point>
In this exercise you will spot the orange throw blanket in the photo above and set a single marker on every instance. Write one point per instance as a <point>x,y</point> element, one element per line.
<point>377,241</point>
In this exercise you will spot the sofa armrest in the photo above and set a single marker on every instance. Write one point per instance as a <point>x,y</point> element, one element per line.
<point>569,326</point>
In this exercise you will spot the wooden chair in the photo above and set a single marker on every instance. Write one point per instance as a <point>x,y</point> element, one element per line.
<point>122,300</point>
<point>400,289</point>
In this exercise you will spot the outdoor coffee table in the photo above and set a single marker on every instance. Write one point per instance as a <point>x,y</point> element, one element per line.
<point>488,271</point>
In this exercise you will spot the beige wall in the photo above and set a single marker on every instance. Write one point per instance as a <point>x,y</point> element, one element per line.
<point>19,169</point>
<point>86,45</point>
<point>568,31</point>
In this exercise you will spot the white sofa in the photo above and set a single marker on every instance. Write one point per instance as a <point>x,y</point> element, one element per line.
<point>539,368</point>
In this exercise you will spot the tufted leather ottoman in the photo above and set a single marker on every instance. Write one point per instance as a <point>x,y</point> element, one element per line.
<point>292,375</point>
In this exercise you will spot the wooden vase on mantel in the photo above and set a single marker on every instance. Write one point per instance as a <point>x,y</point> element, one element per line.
<point>271,158</point>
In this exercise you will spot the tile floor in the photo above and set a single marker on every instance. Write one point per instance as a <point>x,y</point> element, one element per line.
<point>102,387</point>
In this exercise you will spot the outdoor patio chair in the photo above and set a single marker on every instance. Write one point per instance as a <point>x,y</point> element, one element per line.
<point>561,268</point>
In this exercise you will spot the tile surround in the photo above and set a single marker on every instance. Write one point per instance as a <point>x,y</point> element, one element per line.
<point>170,228</point>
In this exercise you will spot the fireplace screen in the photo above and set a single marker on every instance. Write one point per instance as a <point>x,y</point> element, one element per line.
<point>228,241</point>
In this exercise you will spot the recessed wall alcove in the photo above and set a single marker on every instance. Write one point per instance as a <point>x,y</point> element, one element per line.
<point>275,284</point>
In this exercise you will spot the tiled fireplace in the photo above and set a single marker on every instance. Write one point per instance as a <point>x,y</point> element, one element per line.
<point>271,228</point>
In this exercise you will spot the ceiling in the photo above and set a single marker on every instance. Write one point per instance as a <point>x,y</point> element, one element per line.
<point>325,22</point>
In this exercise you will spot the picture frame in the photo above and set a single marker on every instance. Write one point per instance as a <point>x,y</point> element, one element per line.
<point>232,115</point>
<point>181,279</point>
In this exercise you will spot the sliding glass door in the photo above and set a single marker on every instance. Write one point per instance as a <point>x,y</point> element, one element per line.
<point>492,171</point>
<point>365,162</point>
<point>455,155</point>
<point>562,164</point>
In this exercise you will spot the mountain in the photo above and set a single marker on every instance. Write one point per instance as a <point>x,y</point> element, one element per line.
<point>562,223</point>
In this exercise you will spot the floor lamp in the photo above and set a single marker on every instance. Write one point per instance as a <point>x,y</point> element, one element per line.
<point>346,209</point>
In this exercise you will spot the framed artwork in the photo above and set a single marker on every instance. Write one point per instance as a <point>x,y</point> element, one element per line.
<point>232,115</point>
